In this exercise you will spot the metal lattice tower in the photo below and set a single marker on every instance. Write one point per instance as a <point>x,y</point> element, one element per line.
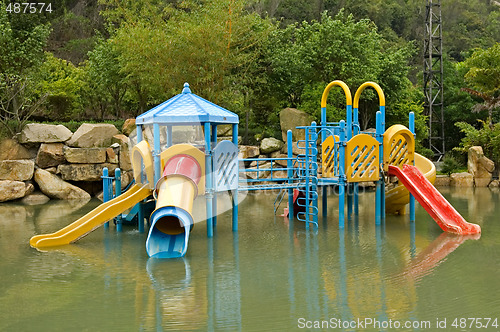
<point>433,76</point>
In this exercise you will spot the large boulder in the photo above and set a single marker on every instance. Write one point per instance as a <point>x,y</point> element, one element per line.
<point>480,166</point>
<point>12,150</point>
<point>52,186</point>
<point>10,190</point>
<point>128,127</point>
<point>93,135</point>
<point>248,151</point>
<point>44,133</point>
<point>17,170</point>
<point>84,172</point>
<point>85,155</point>
<point>463,179</point>
<point>49,155</point>
<point>290,118</point>
<point>270,144</point>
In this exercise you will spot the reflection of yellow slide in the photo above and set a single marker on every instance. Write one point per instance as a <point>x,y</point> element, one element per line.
<point>397,198</point>
<point>93,219</point>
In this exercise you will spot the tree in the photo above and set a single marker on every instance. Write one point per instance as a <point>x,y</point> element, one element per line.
<point>483,78</point>
<point>21,51</point>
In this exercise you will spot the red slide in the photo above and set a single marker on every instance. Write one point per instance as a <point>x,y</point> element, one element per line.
<point>433,202</point>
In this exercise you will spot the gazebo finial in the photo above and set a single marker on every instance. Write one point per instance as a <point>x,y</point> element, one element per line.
<point>186,88</point>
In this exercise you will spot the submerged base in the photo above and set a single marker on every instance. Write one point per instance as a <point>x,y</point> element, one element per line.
<point>169,233</point>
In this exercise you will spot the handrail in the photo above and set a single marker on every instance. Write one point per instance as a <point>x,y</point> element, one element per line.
<point>363,86</point>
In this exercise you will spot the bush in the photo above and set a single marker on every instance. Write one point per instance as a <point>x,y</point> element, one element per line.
<point>450,165</point>
<point>487,137</point>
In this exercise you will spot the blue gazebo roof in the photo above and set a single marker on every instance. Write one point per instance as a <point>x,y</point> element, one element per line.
<point>185,109</point>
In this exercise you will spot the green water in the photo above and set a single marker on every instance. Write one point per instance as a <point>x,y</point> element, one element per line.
<point>271,275</point>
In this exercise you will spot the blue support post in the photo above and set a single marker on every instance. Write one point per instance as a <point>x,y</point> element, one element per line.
<point>118,192</point>
<point>342,178</point>
<point>235,192</point>
<point>349,122</point>
<point>324,194</point>
<point>106,196</point>
<point>307,171</point>
<point>156,152</point>
<point>289,172</point>
<point>214,200</point>
<point>208,180</point>
<point>380,182</point>
<point>355,121</point>
<point>412,198</point>
<point>382,131</point>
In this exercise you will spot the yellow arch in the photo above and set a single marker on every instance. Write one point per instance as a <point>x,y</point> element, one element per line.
<point>347,92</point>
<point>399,146</point>
<point>141,155</point>
<point>381,96</point>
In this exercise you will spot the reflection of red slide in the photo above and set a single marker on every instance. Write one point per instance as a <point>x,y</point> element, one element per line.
<point>433,202</point>
<point>436,252</point>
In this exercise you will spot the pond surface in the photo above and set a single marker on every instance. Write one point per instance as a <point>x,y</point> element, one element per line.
<point>271,275</point>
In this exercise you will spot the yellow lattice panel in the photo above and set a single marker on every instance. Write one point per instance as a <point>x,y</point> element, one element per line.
<point>362,159</point>
<point>399,146</point>
<point>330,156</point>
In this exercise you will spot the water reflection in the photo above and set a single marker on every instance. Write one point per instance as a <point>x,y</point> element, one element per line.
<point>265,277</point>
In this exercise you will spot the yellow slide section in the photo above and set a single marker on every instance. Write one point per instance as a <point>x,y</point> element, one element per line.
<point>397,198</point>
<point>93,219</point>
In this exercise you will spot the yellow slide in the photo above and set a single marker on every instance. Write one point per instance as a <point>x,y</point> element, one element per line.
<point>93,219</point>
<point>397,198</point>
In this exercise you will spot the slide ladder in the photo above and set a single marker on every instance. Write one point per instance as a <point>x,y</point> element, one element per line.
<point>307,198</point>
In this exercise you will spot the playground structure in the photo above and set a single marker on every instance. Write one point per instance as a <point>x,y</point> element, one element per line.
<point>175,174</point>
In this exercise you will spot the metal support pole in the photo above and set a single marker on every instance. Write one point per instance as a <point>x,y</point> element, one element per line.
<point>118,192</point>
<point>235,192</point>
<point>289,166</point>
<point>208,180</point>
<point>105,189</point>
<point>412,198</point>
<point>342,178</point>
<point>214,200</point>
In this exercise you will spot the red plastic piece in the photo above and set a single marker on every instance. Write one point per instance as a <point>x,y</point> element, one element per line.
<point>183,164</point>
<point>432,201</point>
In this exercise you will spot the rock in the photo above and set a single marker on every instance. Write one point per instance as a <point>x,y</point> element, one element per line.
<point>93,136</point>
<point>290,118</point>
<point>12,150</point>
<point>482,182</point>
<point>442,181</point>
<point>124,152</point>
<point>494,184</point>
<point>282,162</point>
<point>185,134</point>
<point>52,170</point>
<point>44,133</point>
<point>36,198</point>
<point>479,166</point>
<point>52,186</point>
<point>17,170</point>
<point>248,151</point>
<point>85,155</point>
<point>84,172</point>
<point>224,130</point>
<point>295,148</point>
<point>112,155</point>
<point>463,179</point>
<point>128,127</point>
<point>11,190</point>
<point>50,154</point>
<point>270,144</point>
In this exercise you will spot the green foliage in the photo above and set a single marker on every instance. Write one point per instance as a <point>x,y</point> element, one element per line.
<point>63,82</point>
<point>487,137</point>
<point>450,165</point>
<point>484,70</point>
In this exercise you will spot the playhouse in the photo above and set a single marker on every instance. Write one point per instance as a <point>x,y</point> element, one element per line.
<point>335,154</point>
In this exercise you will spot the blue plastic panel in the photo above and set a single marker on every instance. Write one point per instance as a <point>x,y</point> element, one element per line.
<point>225,166</point>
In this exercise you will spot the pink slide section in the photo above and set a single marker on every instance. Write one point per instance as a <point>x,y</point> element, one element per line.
<point>432,201</point>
